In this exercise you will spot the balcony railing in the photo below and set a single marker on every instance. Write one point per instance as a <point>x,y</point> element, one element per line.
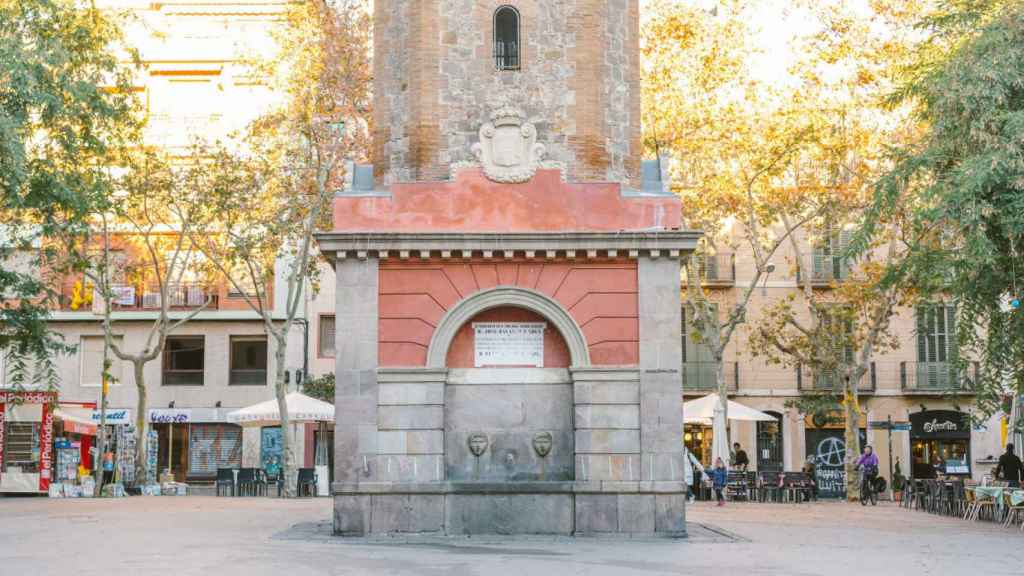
<point>717,269</point>
<point>936,376</point>
<point>699,377</point>
<point>128,297</point>
<point>808,380</point>
<point>822,270</point>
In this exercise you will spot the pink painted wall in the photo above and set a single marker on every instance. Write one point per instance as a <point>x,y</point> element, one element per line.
<point>472,203</point>
<point>600,295</point>
<point>461,355</point>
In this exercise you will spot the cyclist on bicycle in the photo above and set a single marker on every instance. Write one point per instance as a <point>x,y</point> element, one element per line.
<point>868,463</point>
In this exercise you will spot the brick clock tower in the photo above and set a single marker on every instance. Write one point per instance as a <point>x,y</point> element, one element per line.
<point>508,342</point>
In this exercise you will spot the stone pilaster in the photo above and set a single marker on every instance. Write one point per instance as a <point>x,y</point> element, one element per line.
<point>356,385</point>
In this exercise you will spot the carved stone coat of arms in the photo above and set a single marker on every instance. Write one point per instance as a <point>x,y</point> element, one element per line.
<point>508,150</point>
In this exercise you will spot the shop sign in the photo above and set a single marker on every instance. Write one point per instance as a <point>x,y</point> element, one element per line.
<point>3,406</point>
<point>28,397</point>
<point>939,424</point>
<point>114,417</point>
<point>46,450</point>
<point>170,415</point>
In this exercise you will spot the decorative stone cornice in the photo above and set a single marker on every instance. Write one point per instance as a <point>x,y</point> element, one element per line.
<point>671,244</point>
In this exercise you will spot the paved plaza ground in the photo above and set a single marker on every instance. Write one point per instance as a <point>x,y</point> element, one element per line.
<point>209,536</point>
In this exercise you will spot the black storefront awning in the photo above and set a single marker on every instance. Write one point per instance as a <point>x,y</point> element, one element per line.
<point>940,425</point>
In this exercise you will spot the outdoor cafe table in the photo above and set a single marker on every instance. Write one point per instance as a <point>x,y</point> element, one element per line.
<point>996,494</point>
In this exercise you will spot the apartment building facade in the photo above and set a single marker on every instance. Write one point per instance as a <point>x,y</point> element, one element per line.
<point>915,386</point>
<point>193,82</point>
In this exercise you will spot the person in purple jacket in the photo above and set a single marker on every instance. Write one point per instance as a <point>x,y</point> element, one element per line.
<point>868,463</point>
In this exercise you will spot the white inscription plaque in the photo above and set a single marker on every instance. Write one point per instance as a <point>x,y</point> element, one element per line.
<point>508,344</point>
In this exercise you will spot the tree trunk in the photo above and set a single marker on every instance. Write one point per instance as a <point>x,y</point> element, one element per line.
<point>851,409</point>
<point>723,396</point>
<point>281,390</point>
<point>141,452</point>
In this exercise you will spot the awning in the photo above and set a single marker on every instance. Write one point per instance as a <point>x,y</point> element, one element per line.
<point>301,408</point>
<point>702,411</point>
<point>75,424</point>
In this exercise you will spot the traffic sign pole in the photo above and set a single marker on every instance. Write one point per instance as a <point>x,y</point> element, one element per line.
<point>892,494</point>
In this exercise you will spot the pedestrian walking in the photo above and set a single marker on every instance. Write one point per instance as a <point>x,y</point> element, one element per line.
<point>1010,467</point>
<point>690,470</point>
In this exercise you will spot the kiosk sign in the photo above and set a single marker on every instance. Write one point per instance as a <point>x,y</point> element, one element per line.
<point>508,344</point>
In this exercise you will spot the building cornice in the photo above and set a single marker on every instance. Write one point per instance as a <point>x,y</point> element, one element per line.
<point>526,245</point>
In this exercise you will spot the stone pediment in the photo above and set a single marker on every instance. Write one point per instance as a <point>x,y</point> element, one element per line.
<point>508,150</point>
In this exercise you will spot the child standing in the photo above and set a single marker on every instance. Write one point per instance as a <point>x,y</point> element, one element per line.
<point>720,476</point>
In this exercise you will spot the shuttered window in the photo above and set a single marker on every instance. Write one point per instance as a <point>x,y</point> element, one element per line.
<point>695,350</point>
<point>936,333</point>
<point>213,446</point>
<point>326,340</point>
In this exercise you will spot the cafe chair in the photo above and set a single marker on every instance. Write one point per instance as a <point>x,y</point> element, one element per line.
<point>307,482</point>
<point>226,480</point>
<point>983,508</point>
<point>1014,513</point>
<point>275,480</point>
<point>248,482</point>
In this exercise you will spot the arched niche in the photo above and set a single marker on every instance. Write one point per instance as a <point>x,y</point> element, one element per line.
<point>507,297</point>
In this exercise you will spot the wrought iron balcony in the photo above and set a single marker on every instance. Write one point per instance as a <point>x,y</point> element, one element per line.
<point>699,377</point>
<point>822,270</point>
<point>717,269</point>
<point>936,377</point>
<point>808,380</point>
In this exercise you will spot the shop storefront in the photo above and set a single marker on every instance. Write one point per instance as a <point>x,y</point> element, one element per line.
<point>26,441</point>
<point>698,439</point>
<point>192,443</point>
<point>940,443</point>
<point>825,443</point>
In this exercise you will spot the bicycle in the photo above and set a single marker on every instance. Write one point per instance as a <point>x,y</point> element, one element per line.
<point>868,491</point>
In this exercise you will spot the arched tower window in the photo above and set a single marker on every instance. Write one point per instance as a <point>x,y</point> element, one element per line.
<point>506,38</point>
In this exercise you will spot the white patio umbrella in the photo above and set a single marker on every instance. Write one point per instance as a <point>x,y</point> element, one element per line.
<point>708,411</point>
<point>719,445</point>
<point>702,411</point>
<point>301,409</point>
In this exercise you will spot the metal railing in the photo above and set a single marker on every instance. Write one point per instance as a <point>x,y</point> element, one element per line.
<point>822,270</point>
<point>831,380</point>
<point>699,377</point>
<point>936,376</point>
<point>717,268</point>
<point>185,295</point>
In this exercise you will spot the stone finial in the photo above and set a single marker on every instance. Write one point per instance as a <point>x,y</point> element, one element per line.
<point>508,150</point>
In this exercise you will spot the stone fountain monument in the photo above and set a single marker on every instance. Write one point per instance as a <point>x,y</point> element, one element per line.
<point>507,283</point>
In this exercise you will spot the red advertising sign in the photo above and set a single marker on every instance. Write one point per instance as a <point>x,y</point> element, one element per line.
<point>46,450</point>
<point>3,406</point>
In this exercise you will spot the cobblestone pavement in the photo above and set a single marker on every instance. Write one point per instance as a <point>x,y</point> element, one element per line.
<point>256,536</point>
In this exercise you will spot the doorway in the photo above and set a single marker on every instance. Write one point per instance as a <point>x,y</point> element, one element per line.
<point>173,441</point>
<point>769,444</point>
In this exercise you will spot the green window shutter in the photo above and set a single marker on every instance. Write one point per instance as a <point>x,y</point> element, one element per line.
<point>686,331</point>
<point>922,335</point>
<point>841,265</point>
